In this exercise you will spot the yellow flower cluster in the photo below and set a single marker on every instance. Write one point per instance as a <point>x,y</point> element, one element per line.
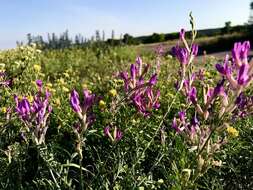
<point>102,104</point>
<point>4,110</point>
<point>37,67</point>
<point>113,92</point>
<point>232,132</point>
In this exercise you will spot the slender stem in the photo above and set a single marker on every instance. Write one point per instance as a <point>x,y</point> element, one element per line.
<point>81,173</point>
<point>165,115</point>
<point>208,138</point>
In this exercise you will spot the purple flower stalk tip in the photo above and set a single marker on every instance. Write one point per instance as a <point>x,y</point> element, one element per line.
<point>74,101</point>
<point>240,52</point>
<point>182,34</point>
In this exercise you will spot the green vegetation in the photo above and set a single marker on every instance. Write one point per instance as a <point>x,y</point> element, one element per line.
<point>149,155</point>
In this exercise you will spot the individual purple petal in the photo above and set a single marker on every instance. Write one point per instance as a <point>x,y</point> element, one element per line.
<point>133,71</point>
<point>245,49</point>
<point>220,69</point>
<point>182,116</point>
<point>242,76</point>
<point>39,83</point>
<point>195,121</point>
<point>88,100</point>
<point>119,135</point>
<point>153,80</point>
<point>74,101</point>
<point>139,63</point>
<point>195,49</point>
<point>218,88</point>
<point>193,95</point>
<point>107,131</point>
<point>183,56</point>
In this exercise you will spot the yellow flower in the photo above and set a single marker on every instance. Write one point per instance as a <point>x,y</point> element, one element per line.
<point>207,74</point>
<point>37,67</point>
<point>57,101</point>
<point>65,89</point>
<point>49,85</point>
<point>85,86</point>
<point>4,109</point>
<point>102,104</point>
<point>232,132</point>
<point>61,81</point>
<point>112,92</point>
<point>30,98</point>
<point>66,75</point>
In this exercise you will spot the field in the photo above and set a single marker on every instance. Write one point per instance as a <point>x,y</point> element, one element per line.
<point>126,117</point>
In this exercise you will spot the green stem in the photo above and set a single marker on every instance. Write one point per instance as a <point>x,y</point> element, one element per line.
<point>165,115</point>
<point>81,173</point>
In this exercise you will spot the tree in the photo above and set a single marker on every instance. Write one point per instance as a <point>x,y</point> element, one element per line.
<point>227,28</point>
<point>29,38</point>
<point>251,13</point>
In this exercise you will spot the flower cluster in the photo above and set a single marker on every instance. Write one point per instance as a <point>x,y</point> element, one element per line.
<point>184,55</point>
<point>83,108</point>
<point>117,134</point>
<point>239,72</point>
<point>212,105</point>
<point>244,106</point>
<point>35,113</point>
<point>140,91</point>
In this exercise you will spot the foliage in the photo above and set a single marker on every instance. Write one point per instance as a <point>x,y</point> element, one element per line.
<point>110,126</point>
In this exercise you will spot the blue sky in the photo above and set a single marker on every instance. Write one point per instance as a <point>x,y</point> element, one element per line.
<point>136,17</point>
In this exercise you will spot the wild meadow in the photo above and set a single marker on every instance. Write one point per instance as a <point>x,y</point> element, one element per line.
<point>113,118</point>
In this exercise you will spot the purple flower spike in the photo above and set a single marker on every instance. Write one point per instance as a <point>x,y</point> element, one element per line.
<point>240,52</point>
<point>74,101</point>
<point>182,34</point>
